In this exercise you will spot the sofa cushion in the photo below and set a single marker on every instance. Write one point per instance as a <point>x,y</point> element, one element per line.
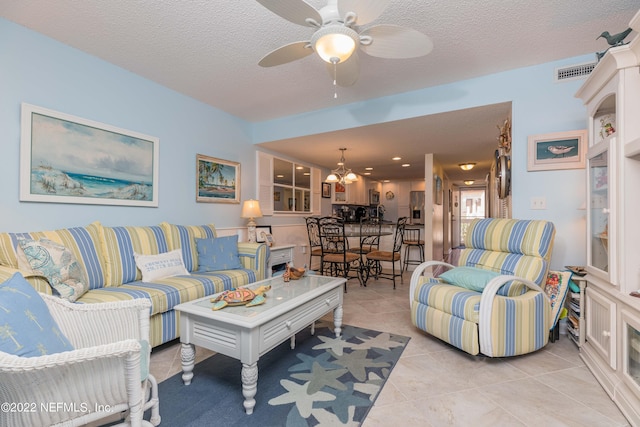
<point>83,242</point>
<point>166,293</point>
<point>184,237</point>
<point>162,265</point>
<point>119,245</point>
<point>58,265</point>
<point>27,328</point>
<point>217,254</point>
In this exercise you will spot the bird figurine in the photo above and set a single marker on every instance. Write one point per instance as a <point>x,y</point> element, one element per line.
<point>616,39</point>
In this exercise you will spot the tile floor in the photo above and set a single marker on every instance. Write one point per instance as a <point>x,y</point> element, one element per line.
<point>435,384</point>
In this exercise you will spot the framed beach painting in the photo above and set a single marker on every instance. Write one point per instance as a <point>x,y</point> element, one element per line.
<point>559,150</point>
<point>218,180</point>
<point>67,159</point>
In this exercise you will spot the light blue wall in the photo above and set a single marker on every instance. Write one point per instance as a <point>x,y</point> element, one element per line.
<point>539,106</point>
<point>43,72</point>
<point>40,71</point>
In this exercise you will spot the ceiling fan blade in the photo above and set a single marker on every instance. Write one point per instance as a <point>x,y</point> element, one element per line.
<point>366,10</point>
<point>287,53</point>
<point>346,73</point>
<point>296,11</point>
<point>392,41</point>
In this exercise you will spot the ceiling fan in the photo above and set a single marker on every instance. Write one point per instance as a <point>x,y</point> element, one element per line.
<point>338,34</point>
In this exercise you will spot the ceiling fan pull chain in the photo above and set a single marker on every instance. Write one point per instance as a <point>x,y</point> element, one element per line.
<point>335,77</point>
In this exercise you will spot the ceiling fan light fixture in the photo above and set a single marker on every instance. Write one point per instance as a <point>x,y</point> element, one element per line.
<point>334,43</point>
<point>466,166</point>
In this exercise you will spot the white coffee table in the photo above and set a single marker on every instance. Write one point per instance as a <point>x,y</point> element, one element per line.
<point>246,333</point>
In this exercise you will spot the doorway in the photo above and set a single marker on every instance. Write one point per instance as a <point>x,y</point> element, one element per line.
<point>472,205</point>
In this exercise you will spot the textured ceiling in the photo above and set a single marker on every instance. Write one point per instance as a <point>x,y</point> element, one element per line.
<point>209,50</point>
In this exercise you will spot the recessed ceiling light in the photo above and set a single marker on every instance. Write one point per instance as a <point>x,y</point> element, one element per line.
<point>367,173</point>
<point>385,180</point>
<point>279,176</point>
<point>396,158</point>
<point>368,169</point>
<point>406,165</point>
<point>299,167</point>
<point>306,174</point>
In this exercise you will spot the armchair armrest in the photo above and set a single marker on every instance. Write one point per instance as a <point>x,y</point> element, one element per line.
<point>419,272</point>
<point>89,325</point>
<point>487,310</point>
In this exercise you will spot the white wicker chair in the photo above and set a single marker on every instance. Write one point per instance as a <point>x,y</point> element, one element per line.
<point>99,379</point>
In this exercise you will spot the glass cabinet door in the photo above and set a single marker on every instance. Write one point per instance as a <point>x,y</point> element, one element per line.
<point>599,215</point>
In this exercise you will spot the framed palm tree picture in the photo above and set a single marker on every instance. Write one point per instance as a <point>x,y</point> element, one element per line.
<point>218,180</point>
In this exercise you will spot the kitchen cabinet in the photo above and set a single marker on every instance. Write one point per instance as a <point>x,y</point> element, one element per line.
<point>356,193</point>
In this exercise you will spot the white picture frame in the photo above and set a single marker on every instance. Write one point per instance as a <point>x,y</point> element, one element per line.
<point>68,159</point>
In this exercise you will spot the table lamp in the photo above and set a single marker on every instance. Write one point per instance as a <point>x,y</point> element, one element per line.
<point>251,210</point>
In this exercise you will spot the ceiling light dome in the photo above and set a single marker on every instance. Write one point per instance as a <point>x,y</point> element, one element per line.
<point>335,43</point>
<point>466,166</point>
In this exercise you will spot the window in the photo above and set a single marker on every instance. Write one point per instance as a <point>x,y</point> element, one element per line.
<point>291,186</point>
<point>471,206</point>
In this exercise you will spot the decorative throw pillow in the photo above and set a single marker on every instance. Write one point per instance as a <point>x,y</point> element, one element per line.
<point>58,265</point>
<point>166,264</point>
<point>220,253</point>
<point>26,326</point>
<point>475,279</point>
<point>556,289</point>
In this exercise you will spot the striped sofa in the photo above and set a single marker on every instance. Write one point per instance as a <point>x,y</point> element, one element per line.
<point>106,254</point>
<point>512,315</point>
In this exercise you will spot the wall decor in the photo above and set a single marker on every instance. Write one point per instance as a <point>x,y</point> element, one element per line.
<point>437,187</point>
<point>218,180</point>
<point>67,159</point>
<point>262,233</point>
<point>559,150</point>
<point>326,190</point>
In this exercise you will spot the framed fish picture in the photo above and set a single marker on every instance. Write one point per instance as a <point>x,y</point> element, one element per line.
<point>68,159</point>
<point>559,150</point>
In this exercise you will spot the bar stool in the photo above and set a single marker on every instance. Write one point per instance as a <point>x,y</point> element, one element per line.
<point>412,240</point>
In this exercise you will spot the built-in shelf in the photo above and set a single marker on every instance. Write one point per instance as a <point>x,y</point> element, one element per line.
<point>632,149</point>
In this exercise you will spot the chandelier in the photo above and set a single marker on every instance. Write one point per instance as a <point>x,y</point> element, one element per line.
<point>341,174</point>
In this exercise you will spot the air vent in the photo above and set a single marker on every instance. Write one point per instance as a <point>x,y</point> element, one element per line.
<point>574,72</point>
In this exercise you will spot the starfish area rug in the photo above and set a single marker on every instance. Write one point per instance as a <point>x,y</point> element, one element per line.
<point>322,381</point>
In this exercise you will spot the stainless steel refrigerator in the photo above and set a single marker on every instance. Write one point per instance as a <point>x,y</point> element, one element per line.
<point>416,207</point>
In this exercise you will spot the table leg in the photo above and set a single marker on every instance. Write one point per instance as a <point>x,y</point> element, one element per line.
<point>337,320</point>
<point>249,385</point>
<point>188,357</point>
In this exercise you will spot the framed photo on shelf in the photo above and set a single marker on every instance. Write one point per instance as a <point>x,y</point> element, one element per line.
<point>559,150</point>
<point>326,190</point>
<point>218,180</point>
<point>263,234</point>
<point>68,159</point>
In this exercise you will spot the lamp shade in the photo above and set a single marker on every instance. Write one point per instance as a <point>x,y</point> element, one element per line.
<point>251,209</point>
<point>334,43</point>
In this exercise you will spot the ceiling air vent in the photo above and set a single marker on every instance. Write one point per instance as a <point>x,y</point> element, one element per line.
<point>574,72</point>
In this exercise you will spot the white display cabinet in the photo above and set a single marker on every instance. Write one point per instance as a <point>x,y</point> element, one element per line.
<point>612,97</point>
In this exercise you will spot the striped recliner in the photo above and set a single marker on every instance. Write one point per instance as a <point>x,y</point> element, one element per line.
<point>512,315</point>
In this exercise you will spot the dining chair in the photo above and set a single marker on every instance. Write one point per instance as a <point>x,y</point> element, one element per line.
<point>336,257</point>
<point>376,258</point>
<point>315,245</point>
<point>412,239</point>
<point>369,240</point>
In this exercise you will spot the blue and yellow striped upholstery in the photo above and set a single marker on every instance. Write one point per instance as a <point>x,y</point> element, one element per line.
<point>520,316</point>
<point>119,244</point>
<point>106,253</point>
<point>84,242</point>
